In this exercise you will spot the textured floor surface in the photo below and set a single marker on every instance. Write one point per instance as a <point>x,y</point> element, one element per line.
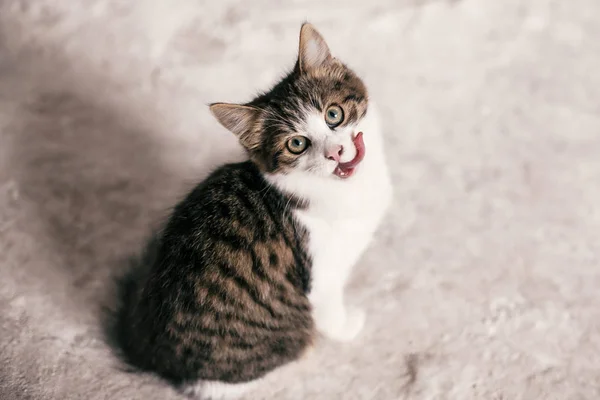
<point>484,282</point>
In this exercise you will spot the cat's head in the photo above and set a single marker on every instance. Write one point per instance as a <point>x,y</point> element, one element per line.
<point>306,123</point>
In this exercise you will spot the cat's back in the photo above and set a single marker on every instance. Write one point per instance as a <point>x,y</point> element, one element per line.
<point>235,210</point>
<point>226,294</point>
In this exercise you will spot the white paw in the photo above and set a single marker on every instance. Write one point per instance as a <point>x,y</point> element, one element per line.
<point>355,321</point>
<point>212,390</point>
<point>351,326</point>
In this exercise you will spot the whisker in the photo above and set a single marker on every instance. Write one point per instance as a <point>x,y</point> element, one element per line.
<point>265,190</point>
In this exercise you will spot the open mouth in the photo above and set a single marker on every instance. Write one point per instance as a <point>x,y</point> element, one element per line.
<point>346,170</point>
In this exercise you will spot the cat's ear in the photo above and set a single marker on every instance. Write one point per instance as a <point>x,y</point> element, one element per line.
<point>313,52</point>
<point>238,119</point>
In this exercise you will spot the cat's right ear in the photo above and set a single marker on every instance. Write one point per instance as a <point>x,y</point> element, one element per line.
<point>238,119</point>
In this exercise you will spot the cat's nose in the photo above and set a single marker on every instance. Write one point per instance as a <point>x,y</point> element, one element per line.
<point>334,152</point>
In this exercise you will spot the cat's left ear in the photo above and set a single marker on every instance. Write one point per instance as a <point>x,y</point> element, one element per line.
<point>238,119</point>
<point>313,52</point>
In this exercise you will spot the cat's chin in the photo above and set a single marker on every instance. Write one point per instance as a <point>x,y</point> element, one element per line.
<point>343,173</point>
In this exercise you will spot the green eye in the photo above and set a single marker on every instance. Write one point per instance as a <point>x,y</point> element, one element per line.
<point>298,144</point>
<point>334,115</point>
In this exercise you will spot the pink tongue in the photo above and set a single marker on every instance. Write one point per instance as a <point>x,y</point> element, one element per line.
<point>360,154</point>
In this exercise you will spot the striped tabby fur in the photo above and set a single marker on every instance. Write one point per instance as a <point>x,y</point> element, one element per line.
<point>224,298</point>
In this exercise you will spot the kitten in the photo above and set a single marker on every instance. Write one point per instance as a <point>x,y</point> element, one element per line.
<point>254,260</point>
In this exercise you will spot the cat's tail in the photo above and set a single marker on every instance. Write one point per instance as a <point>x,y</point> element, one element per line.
<point>120,333</point>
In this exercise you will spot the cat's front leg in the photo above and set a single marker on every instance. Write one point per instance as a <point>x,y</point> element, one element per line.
<point>332,318</point>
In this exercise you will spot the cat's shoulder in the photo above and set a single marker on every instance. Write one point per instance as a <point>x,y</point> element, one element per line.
<point>230,176</point>
<point>234,171</point>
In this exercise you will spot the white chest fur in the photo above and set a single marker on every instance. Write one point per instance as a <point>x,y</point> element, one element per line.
<point>342,220</point>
